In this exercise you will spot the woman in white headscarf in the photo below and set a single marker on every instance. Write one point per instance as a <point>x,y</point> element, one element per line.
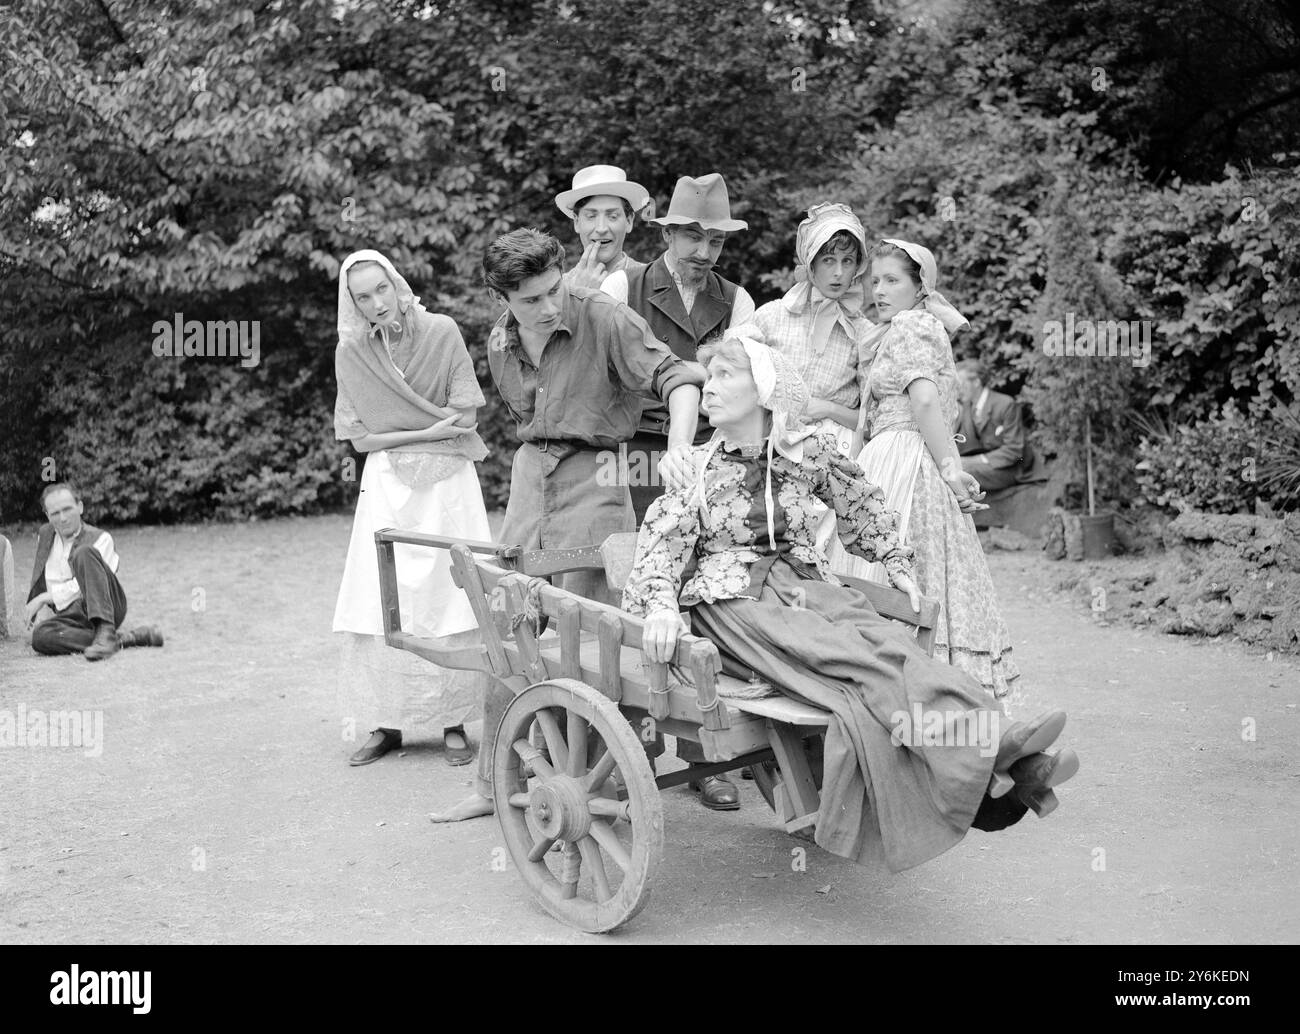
<point>764,593</point>
<point>820,324</point>
<point>910,403</point>
<point>407,397</point>
<point>820,327</point>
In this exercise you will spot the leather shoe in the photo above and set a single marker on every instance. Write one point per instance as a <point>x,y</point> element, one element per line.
<point>456,745</point>
<point>1037,774</point>
<point>145,635</point>
<point>1043,771</point>
<point>717,793</point>
<point>105,643</point>
<point>380,743</point>
<point>1021,740</point>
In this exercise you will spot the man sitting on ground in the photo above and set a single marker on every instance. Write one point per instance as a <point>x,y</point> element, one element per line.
<point>75,574</point>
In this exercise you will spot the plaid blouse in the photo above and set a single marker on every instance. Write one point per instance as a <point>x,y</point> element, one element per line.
<point>837,373</point>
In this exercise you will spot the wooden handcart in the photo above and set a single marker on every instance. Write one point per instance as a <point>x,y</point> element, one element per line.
<point>576,796</point>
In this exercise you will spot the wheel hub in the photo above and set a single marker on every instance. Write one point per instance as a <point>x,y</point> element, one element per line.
<point>559,807</point>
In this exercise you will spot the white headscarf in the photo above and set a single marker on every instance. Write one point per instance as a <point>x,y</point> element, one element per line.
<point>352,322</point>
<point>782,392</point>
<point>824,222</point>
<point>935,303</point>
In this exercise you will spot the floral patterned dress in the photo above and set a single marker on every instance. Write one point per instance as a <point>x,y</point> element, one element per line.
<point>950,564</point>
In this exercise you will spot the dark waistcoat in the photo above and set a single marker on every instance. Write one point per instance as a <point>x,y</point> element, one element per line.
<point>652,294</point>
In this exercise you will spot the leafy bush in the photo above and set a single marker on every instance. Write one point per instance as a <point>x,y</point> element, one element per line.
<point>195,439</point>
<point>1216,267</point>
<point>1226,464</point>
<point>1211,465</point>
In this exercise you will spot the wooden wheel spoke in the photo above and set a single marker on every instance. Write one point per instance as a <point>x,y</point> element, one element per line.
<point>577,731</point>
<point>540,848</point>
<point>570,872</point>
<point>603,807</point>
<point>608,839</point>
<point>554,739</point>
<point>601,770</point>
<point>534,758</point>
<point>560,746</point>
<point>591,856</point>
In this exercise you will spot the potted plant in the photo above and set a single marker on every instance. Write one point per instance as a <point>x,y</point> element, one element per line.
<point>1080,395</point>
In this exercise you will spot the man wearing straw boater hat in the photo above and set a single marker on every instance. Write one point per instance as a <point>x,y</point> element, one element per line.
<point>603,204</point>
<point>686,304</point>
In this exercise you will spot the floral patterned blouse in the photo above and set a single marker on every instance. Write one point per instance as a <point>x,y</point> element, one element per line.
<point>915,346</point>
<point>729,537</point>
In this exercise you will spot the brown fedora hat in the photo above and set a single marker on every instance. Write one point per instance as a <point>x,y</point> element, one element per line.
<point>702,201</point>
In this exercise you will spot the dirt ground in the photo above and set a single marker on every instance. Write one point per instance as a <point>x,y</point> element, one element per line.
<point>221,808</point>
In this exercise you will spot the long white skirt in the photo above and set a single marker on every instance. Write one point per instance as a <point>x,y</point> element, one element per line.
<point>890,461</point>
<point>381,687</point>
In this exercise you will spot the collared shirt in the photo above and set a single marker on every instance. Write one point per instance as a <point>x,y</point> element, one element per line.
<point>59,580</point>
<point>596,371</point>
<point>742,306</point>
<point>729,535</point>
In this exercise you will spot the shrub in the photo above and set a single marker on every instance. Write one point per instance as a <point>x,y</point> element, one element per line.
<point>1219,465</point>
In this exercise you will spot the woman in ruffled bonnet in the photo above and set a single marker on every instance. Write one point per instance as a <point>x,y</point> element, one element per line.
<point>407,397</point>
<point>735,545</point>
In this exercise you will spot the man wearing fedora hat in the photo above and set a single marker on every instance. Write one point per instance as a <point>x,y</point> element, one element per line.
<point>686,304</point>
<point>603,204</point>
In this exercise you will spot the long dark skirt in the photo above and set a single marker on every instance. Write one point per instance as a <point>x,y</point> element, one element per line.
<point>826,645</point>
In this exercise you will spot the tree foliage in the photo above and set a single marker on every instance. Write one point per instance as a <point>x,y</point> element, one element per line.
<point>217,160</point>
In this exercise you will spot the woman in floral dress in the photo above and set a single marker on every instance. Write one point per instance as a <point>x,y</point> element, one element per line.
<point>911,404</point>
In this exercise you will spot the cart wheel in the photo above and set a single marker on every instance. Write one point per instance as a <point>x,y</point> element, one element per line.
<point>767,775</point>
<point>599,877</point>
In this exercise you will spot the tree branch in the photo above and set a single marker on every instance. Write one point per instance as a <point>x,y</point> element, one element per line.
<point>1229,128</point>
<point>117,31</point>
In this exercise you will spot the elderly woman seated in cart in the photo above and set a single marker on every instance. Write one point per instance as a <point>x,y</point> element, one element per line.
<point>765,595</point>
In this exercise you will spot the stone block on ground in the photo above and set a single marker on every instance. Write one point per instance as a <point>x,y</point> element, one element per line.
<point>10,615</point>
<point>1023,508</point>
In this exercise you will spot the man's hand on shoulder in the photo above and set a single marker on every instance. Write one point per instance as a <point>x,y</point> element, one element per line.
<point>677,468</point>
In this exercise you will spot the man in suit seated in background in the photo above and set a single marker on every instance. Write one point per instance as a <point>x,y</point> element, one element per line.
<point>995,450</point>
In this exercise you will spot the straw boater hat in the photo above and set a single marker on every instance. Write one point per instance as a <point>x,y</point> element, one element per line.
<point>597,180</point>
<point>702,201</point>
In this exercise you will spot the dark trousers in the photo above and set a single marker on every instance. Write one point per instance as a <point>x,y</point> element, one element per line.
<point>991,479</point>
<point>72,629</point>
